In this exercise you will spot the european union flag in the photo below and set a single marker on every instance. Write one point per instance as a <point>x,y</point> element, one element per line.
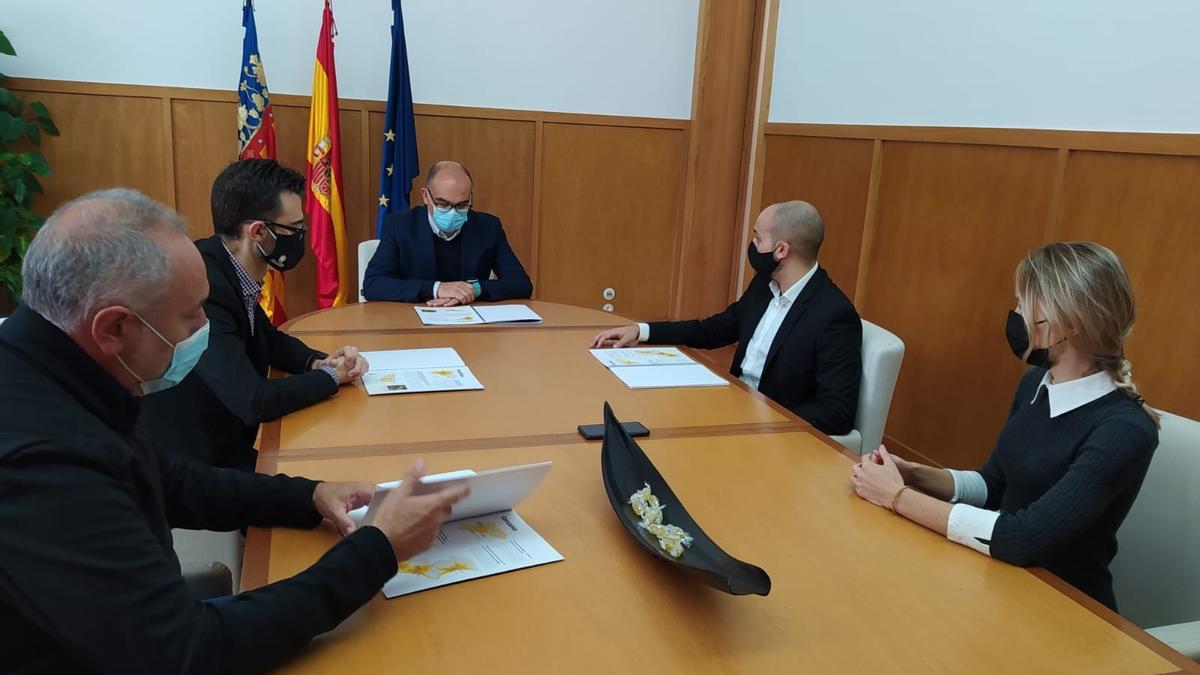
<point>399,165</point>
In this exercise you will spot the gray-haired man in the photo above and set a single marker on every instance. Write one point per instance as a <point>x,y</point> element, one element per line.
<point>88,578</point>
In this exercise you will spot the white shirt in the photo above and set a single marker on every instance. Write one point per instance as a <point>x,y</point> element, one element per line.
<point>970,524</point>
<point>768,327</point>
<point>764,333</point>
<point>440,235</point>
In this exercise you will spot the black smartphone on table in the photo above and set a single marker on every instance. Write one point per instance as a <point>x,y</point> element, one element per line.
<point>595,432</point>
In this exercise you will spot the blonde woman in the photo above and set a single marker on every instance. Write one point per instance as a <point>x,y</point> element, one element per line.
<point>1072,455</point>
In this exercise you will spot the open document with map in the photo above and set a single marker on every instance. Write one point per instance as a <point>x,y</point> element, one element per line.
<point>656,367</point>
<point>482,537</point>
<point>410,371</point>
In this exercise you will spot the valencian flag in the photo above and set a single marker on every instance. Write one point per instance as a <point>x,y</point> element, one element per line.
<point>323,196</point>
<point>399,165</point>
<point>256,138</point>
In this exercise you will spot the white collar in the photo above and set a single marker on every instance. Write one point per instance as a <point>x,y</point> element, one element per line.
<point>440,235</point>
<point>1070,395</point>
<point>792,293</point>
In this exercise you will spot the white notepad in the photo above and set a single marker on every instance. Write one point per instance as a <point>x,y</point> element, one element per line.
<point>658,377</point>
<point>465,316</point>
<point>484,535</point>
<point>410,371</point>
<point>657,368</point>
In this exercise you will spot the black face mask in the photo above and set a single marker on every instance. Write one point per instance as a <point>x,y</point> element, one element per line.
<point>288,251</point>
<point>1018,341</point>
<point>763,263</point>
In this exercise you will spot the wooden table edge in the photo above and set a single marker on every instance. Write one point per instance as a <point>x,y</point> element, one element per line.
<point>256,560</point>
<point>429,330</point>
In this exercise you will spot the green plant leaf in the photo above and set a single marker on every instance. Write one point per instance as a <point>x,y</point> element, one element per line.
<point>34,134</point>
<point>11,102</point>
<point>13,130</point>
<point>5,248</point>
<point>19,190</point>
<point>6,46</point>
<point>34,184</point>
<point>38,164</point>
<point>47,125</point>
<point>39,110</point>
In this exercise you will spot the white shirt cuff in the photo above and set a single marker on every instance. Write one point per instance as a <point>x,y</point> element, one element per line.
<point>969,488</point>
<point>972,527</point>
<point>643,332</point>
<point>435,287</point>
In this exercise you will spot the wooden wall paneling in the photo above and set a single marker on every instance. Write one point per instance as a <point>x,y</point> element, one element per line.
<point>609,213</point>
<point>952,222</point>
<point>833,175</point>
<point>106,142</point>
<point>533,264</point>
<point>1054,215</point>
<point>1054,139</point>
<point>204,142</point>
<point>291,137</point>
<point>868,237</point>
<point>168,136</point>
<point>500,156</point>
<point>725,77</point>
<point>754,145</point>
<point>360,214</point>
<point>1145,208</point>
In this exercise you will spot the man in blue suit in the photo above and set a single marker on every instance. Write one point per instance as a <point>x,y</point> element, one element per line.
<point>444,253</point>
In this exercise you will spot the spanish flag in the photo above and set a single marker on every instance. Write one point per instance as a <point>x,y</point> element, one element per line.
<point>323,198</point>
<point>256,139</point>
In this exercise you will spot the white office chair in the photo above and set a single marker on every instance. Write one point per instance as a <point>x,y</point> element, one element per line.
<point>366,251</point>
<point>1154,573</point>
<point>882,353</point>
<point>211,562</point>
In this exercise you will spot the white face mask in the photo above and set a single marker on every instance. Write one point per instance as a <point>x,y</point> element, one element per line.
<point>184,356</point>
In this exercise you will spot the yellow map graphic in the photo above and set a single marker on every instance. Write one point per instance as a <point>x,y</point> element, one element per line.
<point>486,530</point>
<point>421,569</point>
<point>434,570</point>
<point>443,373</point>
<point>658,352</point>
<point>389,378</point>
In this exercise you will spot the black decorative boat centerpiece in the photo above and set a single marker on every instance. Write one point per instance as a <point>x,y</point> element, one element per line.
<point>640,496</point>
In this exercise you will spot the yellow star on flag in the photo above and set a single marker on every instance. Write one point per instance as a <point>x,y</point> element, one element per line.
<point>389,169</point>
<point>389,135</point>
<point>383,201</point>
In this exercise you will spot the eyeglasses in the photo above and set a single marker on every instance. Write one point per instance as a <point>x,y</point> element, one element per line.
<point>444,205</point>
<point>290,229</point>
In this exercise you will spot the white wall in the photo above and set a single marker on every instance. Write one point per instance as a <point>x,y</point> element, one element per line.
<point>618,57</point>
<point>1112,65</point>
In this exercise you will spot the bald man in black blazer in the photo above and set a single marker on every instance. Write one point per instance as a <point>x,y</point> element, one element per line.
<point>799,338</point>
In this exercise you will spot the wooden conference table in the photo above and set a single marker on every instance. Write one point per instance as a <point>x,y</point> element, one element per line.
<point>855,589</point>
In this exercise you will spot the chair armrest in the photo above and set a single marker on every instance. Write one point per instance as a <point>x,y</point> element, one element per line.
<point>1182,637</point>
<point>207,580</point>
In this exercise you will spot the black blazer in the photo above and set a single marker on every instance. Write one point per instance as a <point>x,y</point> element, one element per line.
<point>814,365</point>
<point>89,579</point>
<point>214,414</point>
<point>404,267</point>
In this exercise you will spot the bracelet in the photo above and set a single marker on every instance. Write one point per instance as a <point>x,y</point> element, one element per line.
<point>896,497</point>
<point>475,286</point>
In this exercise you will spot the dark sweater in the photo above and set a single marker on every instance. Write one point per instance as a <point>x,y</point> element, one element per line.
<point>1064,485</point>
<point>89,581</point>
<point>449,258</point>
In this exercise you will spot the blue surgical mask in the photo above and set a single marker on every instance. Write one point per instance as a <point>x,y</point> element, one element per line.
<point>449,220</point>
<point>184,357</point>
